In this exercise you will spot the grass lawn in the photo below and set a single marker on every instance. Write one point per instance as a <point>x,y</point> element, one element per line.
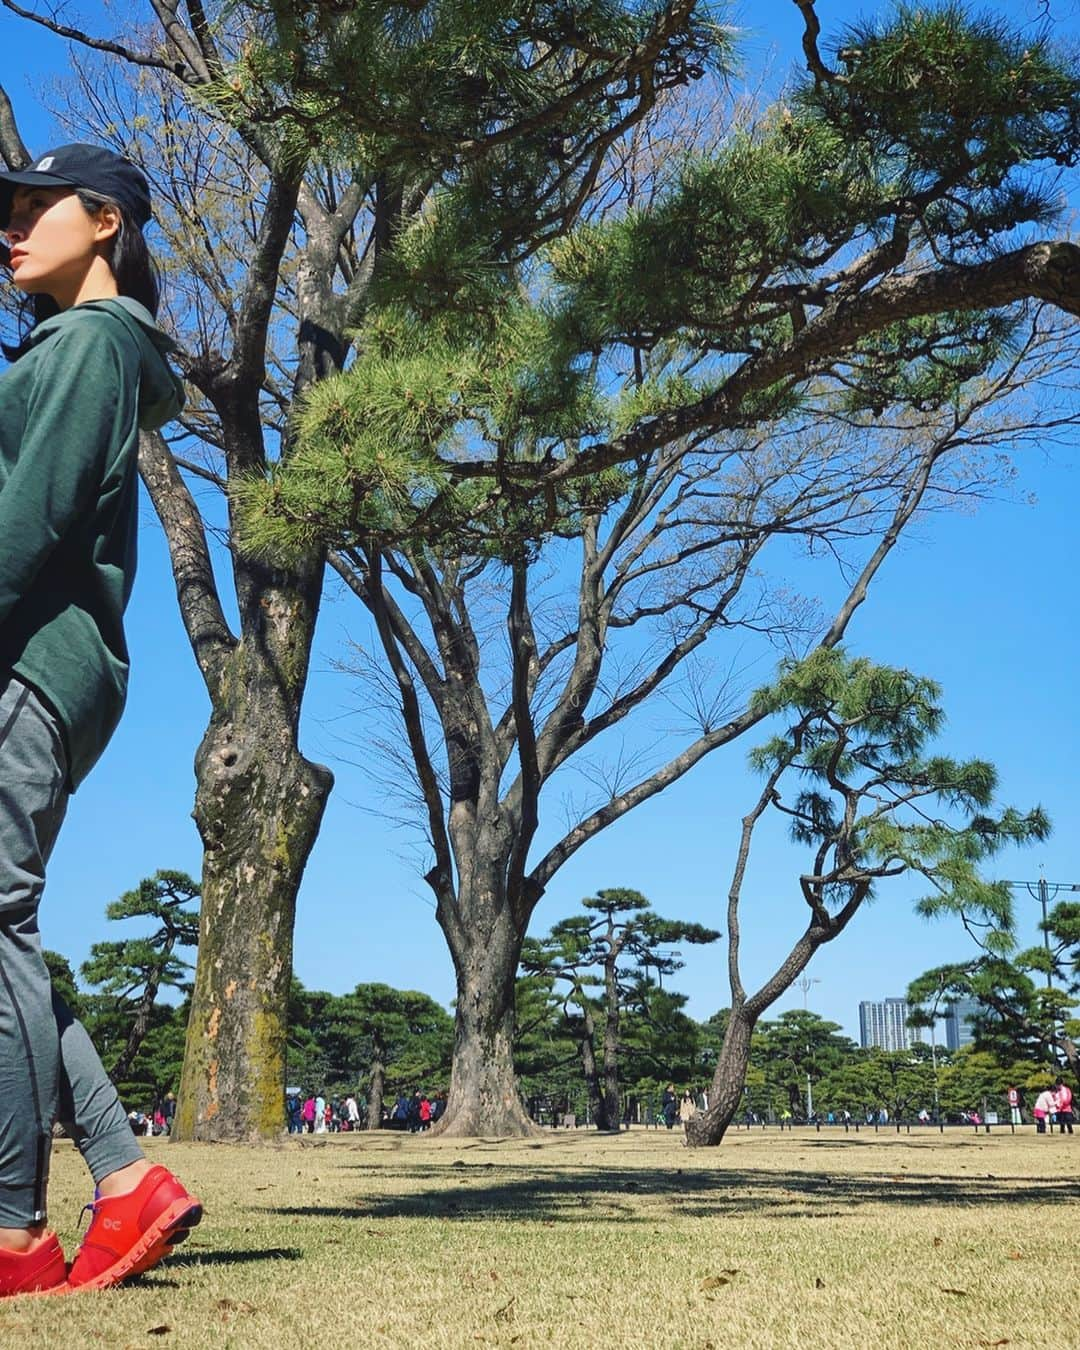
<point>771,1240</point>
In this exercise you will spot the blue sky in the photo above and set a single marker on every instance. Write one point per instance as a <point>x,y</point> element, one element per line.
<point>981,601</point>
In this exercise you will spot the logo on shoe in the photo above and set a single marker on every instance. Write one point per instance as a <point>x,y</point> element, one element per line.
<point>113,1225</point>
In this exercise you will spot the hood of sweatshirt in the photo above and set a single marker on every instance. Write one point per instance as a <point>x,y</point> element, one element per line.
<point>161,394</point>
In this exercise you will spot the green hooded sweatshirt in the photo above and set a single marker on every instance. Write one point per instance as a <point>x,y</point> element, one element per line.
<point>71,407</point>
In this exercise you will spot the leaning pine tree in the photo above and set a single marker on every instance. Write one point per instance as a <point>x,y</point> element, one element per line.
<point>800,337</point>
<point>852,773</point>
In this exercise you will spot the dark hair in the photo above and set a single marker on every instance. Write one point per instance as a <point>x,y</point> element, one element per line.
<point>129,258</point>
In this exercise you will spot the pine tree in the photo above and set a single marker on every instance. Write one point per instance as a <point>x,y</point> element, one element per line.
<point>870,804</point>
<point>610,948</point>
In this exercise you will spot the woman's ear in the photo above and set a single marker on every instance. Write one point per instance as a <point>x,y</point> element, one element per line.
<point>108,223</point>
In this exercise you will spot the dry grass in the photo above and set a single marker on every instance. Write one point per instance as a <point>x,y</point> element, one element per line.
<point>768,1241</point>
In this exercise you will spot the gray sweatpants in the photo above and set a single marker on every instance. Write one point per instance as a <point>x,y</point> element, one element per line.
<point>49,1070</point>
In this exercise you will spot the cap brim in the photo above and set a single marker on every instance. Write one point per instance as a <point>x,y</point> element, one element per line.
<point>9,181</point>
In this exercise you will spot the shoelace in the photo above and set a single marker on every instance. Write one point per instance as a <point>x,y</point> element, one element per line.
<point>90,1207</point>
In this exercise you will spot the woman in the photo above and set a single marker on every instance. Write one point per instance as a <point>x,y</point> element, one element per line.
<point>1043,1110</point>
<point>90,371</point>
<point>1063,1106</point>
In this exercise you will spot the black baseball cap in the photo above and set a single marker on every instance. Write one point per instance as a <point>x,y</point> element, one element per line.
<point>82,166</point>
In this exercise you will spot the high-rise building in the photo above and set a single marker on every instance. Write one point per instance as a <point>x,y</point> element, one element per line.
<point>885,1024</point>
<point>958,1022</point>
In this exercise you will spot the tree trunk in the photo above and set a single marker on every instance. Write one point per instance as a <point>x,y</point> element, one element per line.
<point>610,1113</point>
<point>484,1096</point>
<point>725,1094</point>
<point>258,806</point>
<point>375,1096</point>
<point>588,1063</point>
<point>139,1029</point>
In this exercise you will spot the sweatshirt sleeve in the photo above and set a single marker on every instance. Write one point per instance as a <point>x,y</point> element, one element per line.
<point>83,393</point>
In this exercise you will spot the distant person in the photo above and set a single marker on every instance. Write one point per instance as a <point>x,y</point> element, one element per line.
<point>320,1114</point>
<point>307,1113</point>
<point>1043,1109</point>
<point>169,1111</point>
<point>687,1108</point>
<point>425,1113</point>
<point>352,1112</point>
<point>293,1107</point>
<point>1063,1106</point>
<point>669,1105</point>
<point>399,1117</point>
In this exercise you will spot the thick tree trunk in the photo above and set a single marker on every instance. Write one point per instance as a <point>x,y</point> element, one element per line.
<point>375,1095</point>
<point>258,806</point>
<point>725,1094</point>
<point>484,1096</point>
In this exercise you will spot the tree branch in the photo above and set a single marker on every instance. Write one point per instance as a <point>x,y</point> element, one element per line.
<point>196,589</point>
<point>104,45</point>
<point>12,147</point>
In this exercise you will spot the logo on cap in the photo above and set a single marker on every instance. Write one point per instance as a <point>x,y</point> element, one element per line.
<point>45,165</point>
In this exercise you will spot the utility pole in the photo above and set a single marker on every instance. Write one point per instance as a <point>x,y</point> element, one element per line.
<point>1044,891</point>
<point>804,984</point>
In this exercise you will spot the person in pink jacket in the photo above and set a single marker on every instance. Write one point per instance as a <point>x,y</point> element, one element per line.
<point>1063,1104</point>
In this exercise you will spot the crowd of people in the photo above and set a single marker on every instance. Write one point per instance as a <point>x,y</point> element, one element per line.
<point>314,1113</point>
<point>1053,1106</point>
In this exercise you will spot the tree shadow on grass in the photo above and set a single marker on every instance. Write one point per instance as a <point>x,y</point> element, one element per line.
<point>644,1195</point>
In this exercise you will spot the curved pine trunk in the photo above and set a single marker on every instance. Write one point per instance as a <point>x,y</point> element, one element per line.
<point>258,806</point>
<point>725,1094</point>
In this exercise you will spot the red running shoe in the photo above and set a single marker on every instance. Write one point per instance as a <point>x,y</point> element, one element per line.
<point>40,1271</point>
<point>130,1233</point>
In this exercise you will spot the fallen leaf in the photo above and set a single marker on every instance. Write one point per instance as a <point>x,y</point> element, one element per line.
<point>714,1282</point>
<point>819,1283</point>
<point>937,1242</point>
<point>374,1232</point>
<point>235,1305</point>
<point>994,1343</point>
<point>504,1314</point>
<point>1016,1256</point>
<point>961,1293</point>
<point>162,1330</point>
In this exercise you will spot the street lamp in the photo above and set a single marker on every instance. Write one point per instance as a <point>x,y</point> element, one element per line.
<point>804,984</point>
